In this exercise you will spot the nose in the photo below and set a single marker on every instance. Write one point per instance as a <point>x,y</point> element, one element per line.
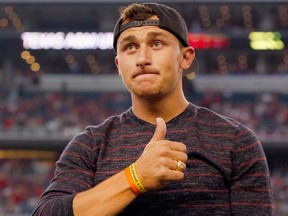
<point>143,56</point>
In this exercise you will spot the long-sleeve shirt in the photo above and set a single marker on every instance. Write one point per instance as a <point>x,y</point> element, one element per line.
<point>227,171</point>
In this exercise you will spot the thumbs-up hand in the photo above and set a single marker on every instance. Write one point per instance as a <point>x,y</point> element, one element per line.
<point>160,131</point>
<point>159,161</point>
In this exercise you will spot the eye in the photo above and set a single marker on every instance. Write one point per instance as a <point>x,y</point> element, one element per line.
<point>130,47</point>
<point>157,44</point>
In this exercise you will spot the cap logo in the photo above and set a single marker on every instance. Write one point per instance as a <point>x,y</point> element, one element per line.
<point>149,22</point>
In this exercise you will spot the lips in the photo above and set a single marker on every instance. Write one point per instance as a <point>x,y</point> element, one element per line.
<point>143,72</point>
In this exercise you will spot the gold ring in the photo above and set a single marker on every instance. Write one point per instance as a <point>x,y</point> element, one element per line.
<point>181,166</point>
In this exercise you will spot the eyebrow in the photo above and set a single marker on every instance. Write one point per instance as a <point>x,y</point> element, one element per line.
<point>150,35</point>
<point>127,39</point>
<point>156,34</point>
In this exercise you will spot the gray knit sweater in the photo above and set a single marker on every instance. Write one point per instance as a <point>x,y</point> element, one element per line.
<point>227,172</point>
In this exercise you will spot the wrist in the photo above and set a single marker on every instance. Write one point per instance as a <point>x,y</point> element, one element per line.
<point>133,180</point>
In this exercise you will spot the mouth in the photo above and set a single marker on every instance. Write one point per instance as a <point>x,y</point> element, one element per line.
<point>144,73</point>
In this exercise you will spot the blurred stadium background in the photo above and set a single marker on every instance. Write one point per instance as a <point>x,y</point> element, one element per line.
<point>57,76</point>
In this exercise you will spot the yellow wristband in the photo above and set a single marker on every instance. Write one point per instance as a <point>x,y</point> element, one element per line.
<point>136,179</point>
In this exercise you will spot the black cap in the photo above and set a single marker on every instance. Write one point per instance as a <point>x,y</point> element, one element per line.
<point>169,20</point>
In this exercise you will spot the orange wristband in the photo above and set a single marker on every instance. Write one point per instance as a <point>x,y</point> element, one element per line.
<point>133,180</point>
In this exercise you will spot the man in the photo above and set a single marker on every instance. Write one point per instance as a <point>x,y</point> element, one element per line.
<point>163,156</point>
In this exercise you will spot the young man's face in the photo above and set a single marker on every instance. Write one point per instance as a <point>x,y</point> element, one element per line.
<point>149,60</point>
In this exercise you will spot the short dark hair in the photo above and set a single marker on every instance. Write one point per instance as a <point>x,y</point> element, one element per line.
<point>137,12</point>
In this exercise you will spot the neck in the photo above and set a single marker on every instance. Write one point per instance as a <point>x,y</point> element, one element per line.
<point>166,108</point>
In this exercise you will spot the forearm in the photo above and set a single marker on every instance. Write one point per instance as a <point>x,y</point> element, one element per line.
<point>107,198</point>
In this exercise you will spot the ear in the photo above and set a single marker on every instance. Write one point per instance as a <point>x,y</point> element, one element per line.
<point>117,65</point>
<point>188,54</point>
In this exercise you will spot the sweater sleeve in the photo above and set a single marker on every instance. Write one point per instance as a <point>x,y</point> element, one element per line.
<point>74,173</point>
<point>251,191</point>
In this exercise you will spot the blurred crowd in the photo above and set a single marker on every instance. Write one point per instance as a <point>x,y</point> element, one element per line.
<point>67,113</point>
<point>280,189</point>
<point>22,182</point>
<point>59,113</point>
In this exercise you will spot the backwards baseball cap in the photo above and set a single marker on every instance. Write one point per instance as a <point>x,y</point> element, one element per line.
<point>169,20</point>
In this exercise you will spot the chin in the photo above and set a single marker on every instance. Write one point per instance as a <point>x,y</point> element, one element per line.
<point>145,93</point>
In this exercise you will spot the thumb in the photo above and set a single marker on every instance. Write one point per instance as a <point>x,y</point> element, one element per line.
<point>160,130</point>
